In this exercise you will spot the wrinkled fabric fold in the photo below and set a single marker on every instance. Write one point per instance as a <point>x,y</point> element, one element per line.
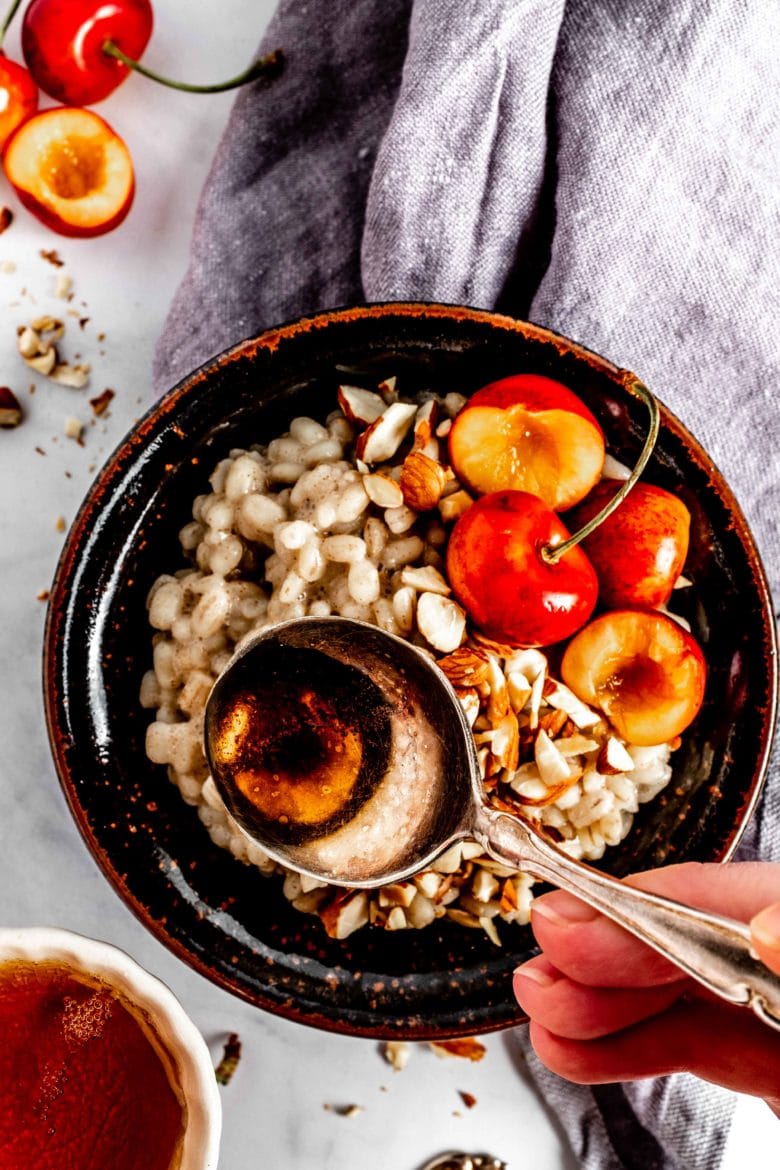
<point>461,167</point>
<point>607,168</point>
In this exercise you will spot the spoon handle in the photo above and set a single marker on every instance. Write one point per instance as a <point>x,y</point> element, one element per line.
<point>710,948</point>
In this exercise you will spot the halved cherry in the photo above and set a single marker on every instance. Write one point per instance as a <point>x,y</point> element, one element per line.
<point>639,550</point>
<point>71,170</point>
<point>498,572</point>
<point>528,433</point>
<point>642,669</point>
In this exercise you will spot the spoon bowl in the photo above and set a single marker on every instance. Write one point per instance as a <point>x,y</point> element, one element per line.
<point>344,753</point>
<point>385,715</point>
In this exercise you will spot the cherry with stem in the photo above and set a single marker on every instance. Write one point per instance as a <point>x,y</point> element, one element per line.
<point>266,69</point>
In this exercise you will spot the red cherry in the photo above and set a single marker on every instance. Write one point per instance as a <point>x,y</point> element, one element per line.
<point>18,97</point>
<point>639,551</point>
<point>497,571</point>
<point>62,43</point>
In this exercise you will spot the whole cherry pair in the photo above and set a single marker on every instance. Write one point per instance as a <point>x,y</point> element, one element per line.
<point>66,164</point>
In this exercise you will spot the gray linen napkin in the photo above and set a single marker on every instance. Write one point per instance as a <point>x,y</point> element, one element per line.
<point>605,167</point>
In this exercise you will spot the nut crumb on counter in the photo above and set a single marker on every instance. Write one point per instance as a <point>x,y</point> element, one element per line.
<point>102,401</point>
<point>52,256</point>
<point>74,429</point>
<point>231,1055</point>
<point>344,1110</point>
<point>397,1053</point>
<point>10,410</point>
<point>59,524</point>
<point>465,1047</point>
<point>64,286</point>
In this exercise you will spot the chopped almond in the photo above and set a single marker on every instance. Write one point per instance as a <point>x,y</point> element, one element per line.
<point>380,441</point>
<point>360,406</point>
<point>613,758</point>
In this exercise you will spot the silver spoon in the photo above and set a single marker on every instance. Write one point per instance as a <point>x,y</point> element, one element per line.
<point>344,752</point>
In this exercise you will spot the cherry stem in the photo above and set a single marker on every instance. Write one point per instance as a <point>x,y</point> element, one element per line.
<point>551,554</point>
<point>266,68</point>
<point>10,14</point>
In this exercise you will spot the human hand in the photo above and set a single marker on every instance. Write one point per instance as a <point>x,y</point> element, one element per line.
<point>605,1007</point>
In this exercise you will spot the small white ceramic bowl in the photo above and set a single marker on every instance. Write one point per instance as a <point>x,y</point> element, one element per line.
<point>200,1150</point>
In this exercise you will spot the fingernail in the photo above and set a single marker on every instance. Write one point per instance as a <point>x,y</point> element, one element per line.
<point>563,910</point>
<point>766,927</point>
<point>536,974</point>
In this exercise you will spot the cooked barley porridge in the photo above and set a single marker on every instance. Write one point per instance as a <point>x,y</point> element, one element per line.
<point>351,517</point>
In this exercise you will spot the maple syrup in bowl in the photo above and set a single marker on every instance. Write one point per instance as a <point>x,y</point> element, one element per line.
<point>99,1065</point>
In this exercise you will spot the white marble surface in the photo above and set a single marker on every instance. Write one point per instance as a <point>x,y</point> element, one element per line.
<point>274,1108</point>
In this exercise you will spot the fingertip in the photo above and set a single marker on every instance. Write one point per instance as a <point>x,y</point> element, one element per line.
<point>529,978</point>
<point>765,934</point>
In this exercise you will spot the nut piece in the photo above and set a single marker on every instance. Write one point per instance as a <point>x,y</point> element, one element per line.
<point>382,490</point>
<point>345,914</point>
<point>27,341</point>
<point>10,410</point>
<point>467,1046</point>
<point>383,438</point>
<point>553,766</point>
<point>51,325</point>
<point>422,481</point>
<point>425,579</point>
<point>559,696</point>
<point>74,429</point>
<point>387,388</point>
<point>465,667</point>
<point>424,429</point>
<point>397,1053</point>
<point>101,402</point>
<point>360,406</point>
<point>451,507</point>
<point>613,758</point>
<point>74,376</point>
<point>506,742</point>
<point>64,285</point>
<point>441,621</point>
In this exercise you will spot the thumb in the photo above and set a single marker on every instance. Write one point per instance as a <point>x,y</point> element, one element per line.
<point>765,931</point>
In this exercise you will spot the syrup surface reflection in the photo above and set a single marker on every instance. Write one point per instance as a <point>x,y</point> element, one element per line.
<point>324,739</point>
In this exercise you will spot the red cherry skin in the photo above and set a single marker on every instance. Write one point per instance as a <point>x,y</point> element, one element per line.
<point>496,571</point>
<point>62,43</point>
<point>536,392</point>
<point>639,551</point>
<point>18,97</point>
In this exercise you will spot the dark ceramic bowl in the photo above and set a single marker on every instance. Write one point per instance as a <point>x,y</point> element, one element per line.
<point>224,918</point>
